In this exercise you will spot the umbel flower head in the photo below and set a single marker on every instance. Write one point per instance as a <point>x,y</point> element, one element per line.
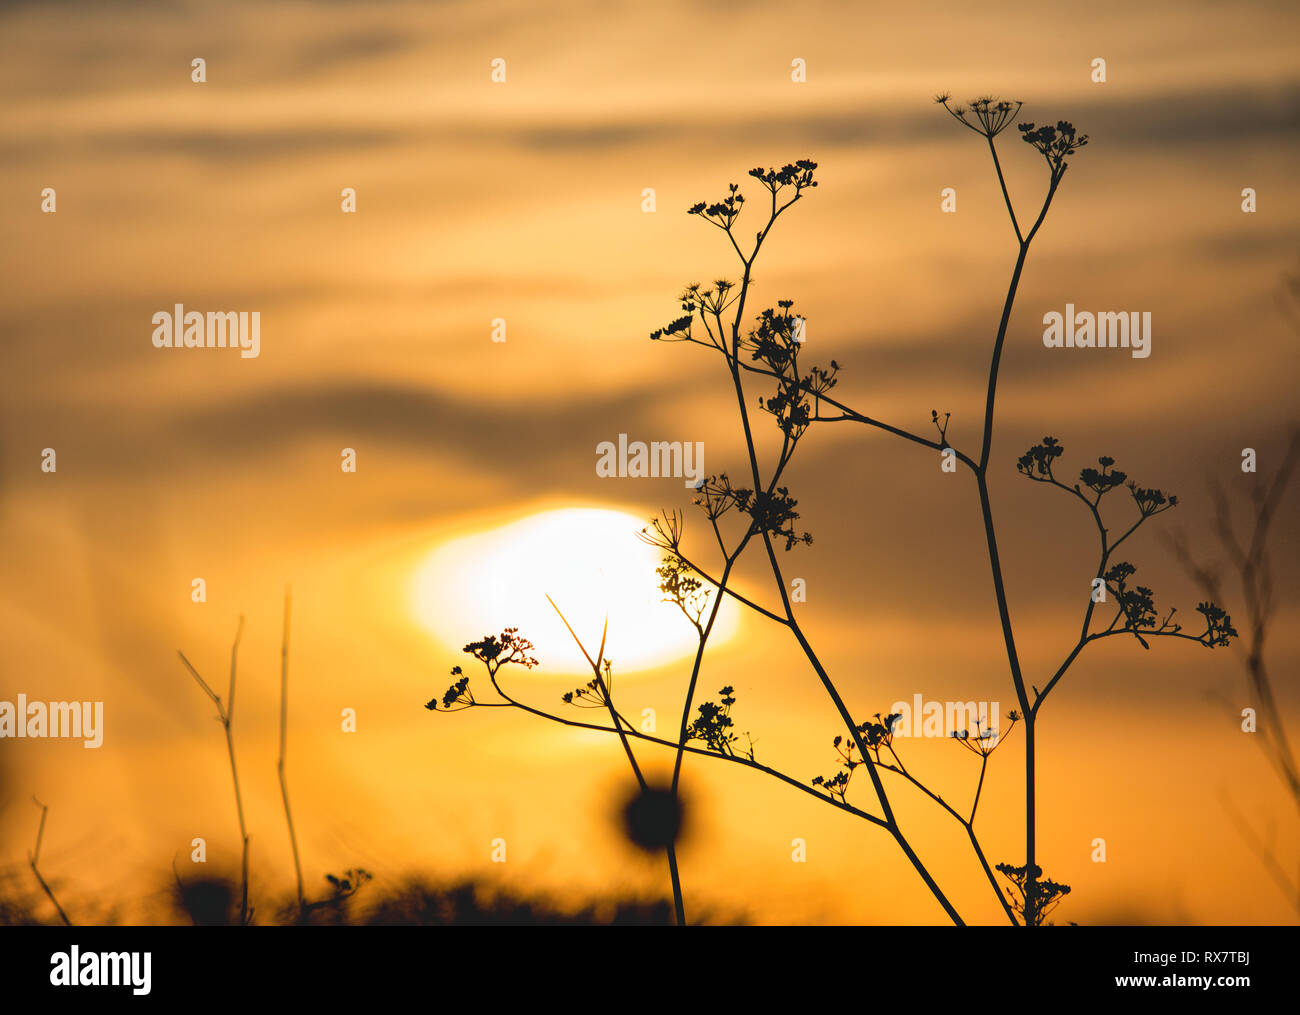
<point>1055,144</point>
<point>986,115</point>
<point>1035,895</point>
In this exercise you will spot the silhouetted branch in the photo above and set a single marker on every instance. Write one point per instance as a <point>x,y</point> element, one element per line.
<point>33,860</point>
<point>284,720</point>
<point>1264,853</point>
<point>1250,561</point>
<point>771,350</point>
<point>226,713</point>
<point>775,343</point>
<point>511,702</point>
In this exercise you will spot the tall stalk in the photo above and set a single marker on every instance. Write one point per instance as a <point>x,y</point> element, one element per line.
<point>279,767</point>
<point>226,713</point>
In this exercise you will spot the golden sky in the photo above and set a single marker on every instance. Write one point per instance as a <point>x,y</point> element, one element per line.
<point>523,201</point>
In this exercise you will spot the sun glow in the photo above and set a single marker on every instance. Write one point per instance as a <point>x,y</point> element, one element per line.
<point>589,560</point>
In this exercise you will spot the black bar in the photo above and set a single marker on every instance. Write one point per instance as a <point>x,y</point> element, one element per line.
<point>896,966</point>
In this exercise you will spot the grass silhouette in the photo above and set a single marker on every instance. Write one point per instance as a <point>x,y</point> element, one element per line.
<point>223,899</point>
<point>205,900</point>
<point>226,713</point>
<point>33,860</point>
<point>415,900</point>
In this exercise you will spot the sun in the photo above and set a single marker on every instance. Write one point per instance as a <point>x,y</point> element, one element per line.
<point>589,560</point>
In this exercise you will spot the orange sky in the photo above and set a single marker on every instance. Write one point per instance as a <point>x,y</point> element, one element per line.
<point>522,201</point>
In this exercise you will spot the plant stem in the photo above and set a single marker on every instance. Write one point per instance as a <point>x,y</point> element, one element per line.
<point>33,858</point>
<point>227,721</point>
<point>832,691</point>
<point>284,712</point>
<point>226,713</point>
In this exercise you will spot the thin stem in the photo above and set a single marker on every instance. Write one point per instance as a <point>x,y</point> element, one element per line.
<point>1003,184</point>
<point>226,714</point>
<point>776,618</point>
<point>679,899</point>
<point>284,713</point>
<point>850,414</point>
<point>738,759</point>
<point>1290,888</point>
<point>986,444</point>
<point>995,566</point>
<point>33,859</point>
<point>690,687</point>
<point>679,905</point>
<point>604,692</point>
<point>967,823</point>
<point>733,361</point>
<point>234,775</point>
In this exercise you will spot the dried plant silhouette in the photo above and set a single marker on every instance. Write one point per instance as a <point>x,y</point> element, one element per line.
<point>1249,561</point>
<point>34,859</point>
<point>652,815</point>
<point>218,899</point>
<point>226,714</point>
<point>469,902</point>
<point>205,899</point>
<point>279,767</point>
<point>1248,558</point>
<point>759,511</point>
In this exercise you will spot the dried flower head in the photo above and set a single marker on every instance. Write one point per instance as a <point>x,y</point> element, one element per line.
<point>1055,144</point>
<point>986,115</point>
